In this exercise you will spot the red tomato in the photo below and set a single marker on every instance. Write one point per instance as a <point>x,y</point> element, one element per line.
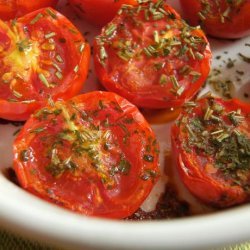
<point>150,56</point>
<point>94,154</point>
<point>99,12</point>
<point>211,142</point>
<point>222,18</point>
<point>42,56</point>
<point>10,9</point>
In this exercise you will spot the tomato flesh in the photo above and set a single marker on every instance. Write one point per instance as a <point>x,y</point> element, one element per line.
<point>211,142</point>
<point>223,19</point>
<point>80,154</point>
<point>98,12</point>
<point>10,9</point>
<point>42,56</point>
<point>154,60</point>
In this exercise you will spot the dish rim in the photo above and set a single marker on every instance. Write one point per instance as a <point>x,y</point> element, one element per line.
<point>64,227</point>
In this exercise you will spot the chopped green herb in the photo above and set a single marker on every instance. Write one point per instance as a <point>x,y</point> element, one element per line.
<point>24,45</point>
<point>59,59</point>
<point>49,35</point>
<point>36,18</point>
<point>51,13</point>
<point>163,79</point>
<point>37,130</point>
<point>59,75</point>
<point>110,29</point>
<point>43,79</point>
<point>148,158</point>
<point>24,155</point>
<point>17,94</point>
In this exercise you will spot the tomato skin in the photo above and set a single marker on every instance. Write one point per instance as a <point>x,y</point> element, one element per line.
<point>98,12</point>
<point>236,27</point>
<point>17,8</point>
<point>41,59</point>
<point>136,79</point>
<point>92,188</point>
<point>16,112</point>
<point>198,172</point>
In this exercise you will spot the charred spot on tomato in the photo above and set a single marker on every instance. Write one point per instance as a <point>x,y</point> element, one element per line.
<point>73,117</point>
<point>62,40</point>
<point>168,206</point>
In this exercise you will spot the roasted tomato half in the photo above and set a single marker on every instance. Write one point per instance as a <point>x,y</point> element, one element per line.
<point>211,142</point>
<point>221,18</point>
<point>42,57</point>
<point>150,56</point>
<point>94,154</point>
<point>98,12</point>
<point>10,9</point>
